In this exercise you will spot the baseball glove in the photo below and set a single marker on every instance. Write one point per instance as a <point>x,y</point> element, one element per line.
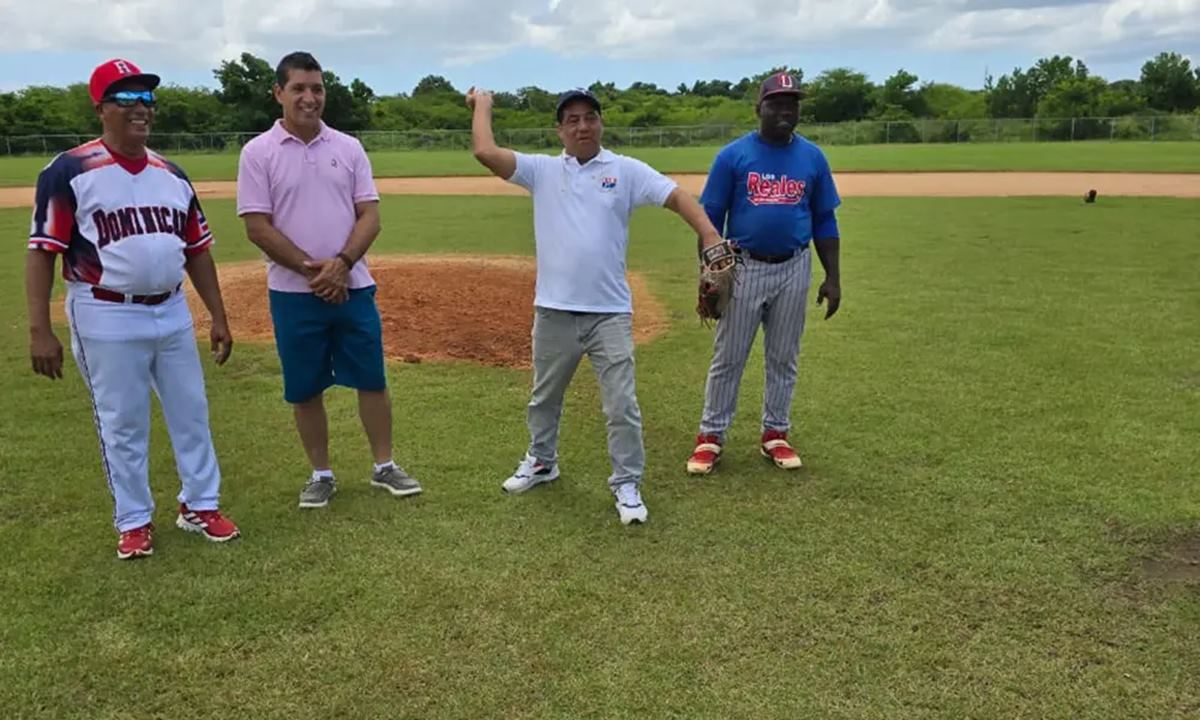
<point>718,273</point>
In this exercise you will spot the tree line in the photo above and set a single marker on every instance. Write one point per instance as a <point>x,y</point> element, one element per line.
<point>1053,87</point>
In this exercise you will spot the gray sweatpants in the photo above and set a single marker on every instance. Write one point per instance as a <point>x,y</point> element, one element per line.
<point>773,296</point>
<point>560,340</point>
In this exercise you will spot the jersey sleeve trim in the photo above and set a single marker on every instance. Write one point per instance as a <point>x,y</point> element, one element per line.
<point>49,244</point>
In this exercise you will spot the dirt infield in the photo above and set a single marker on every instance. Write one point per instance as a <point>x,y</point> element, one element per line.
<point>922,184</point>
<point>424,301</point>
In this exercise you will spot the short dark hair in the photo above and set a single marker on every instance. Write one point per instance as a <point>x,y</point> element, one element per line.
<point>575,94</point>
<point>298,60</point>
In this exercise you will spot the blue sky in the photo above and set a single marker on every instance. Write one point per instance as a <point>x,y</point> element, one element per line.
<point>506,44</point>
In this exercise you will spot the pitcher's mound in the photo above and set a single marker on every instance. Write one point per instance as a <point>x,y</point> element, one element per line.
<point>434,307</point>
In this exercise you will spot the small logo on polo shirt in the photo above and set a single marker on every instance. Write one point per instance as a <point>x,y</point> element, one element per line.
<point>608,183</point>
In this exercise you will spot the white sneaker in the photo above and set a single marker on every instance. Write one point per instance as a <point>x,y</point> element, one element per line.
<point>629,504</point>
<point>530,472</point>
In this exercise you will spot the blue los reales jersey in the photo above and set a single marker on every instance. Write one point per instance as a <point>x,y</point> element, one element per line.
<point>766,197</point>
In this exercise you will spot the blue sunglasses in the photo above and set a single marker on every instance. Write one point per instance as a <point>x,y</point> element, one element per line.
<point>129,98</point>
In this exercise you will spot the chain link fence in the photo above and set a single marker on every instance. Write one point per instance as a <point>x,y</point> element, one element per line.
<point>867,132</point>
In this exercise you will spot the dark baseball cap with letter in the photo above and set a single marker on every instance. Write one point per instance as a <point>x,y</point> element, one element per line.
<point>779,84</point>
<point>114,71</point>
<point>576,94</point>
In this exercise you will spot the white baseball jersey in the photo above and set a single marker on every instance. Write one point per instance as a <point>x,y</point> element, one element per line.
<point>126,226</point>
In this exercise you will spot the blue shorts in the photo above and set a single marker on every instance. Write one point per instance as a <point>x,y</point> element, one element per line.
<point>321,344</point>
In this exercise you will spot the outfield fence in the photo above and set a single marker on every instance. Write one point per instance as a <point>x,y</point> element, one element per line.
<point>866,132</point>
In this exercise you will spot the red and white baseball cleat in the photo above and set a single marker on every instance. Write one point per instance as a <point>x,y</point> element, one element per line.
<point>776,447</point>
<point>136,543</point>
<point>210,523</point>
<point>705,456</point>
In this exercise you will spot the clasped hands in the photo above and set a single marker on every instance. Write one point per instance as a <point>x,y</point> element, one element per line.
<point>329,279</point>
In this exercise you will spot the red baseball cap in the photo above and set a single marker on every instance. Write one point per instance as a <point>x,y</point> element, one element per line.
<point>116,70</point>
<point>779,84</point>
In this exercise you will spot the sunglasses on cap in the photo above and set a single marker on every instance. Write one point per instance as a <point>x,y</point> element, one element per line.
<point>129,98</point>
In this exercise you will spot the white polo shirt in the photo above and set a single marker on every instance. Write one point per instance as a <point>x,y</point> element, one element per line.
<point>581,225</point>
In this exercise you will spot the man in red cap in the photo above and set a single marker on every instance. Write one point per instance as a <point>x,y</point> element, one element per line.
<point>128,225</point>
<point>773,194</point>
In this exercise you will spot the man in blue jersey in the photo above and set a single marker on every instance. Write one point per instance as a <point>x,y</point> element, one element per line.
<point>773,193</point>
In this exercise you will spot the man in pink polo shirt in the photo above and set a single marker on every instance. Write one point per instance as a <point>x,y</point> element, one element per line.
<point>308,200</point>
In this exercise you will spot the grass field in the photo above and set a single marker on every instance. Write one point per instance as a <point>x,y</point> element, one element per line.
<point>1091,156</point>
<point>998,426</point>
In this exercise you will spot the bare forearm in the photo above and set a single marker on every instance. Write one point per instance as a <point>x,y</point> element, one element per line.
<point>501,161</point>
<point>203,272</point>
<point>828,251</point>
<point>39,279</point>
<point>482,137</point>
<point>278,247</point>
<point>687,208</point>
<point>366,229</point>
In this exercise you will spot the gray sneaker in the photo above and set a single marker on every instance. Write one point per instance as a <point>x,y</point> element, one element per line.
<point>316,493</point>
<point>396,481</point>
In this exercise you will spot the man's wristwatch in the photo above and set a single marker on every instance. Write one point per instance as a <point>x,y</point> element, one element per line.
<point>346,259</point>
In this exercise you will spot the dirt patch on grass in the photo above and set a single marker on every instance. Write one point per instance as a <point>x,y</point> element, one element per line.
<point>1177,562</point>
<point>850,184</point>
<point>434,307</point>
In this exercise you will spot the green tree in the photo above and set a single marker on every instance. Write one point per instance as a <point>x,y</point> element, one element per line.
<point>1012,96</point>
<point>839,94</point>
<point>712,88</point>
<point>189,110</point>
<point>1048,73</point>
<point>899,92</point>
<point>247,92</point>
<point>1018,95</point>
<point>434,85</point>
<point>1123,97</point>
<point>347,108</point>
<point>1073,97</point>
<point>1169,83</point>
<point>954,103</point>
<point>537,100</point>
<point>39,110</point>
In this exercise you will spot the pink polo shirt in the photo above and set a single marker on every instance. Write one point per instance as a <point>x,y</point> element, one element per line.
<point>309,191</point>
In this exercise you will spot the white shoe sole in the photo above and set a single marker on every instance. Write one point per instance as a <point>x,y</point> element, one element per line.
<point>634,519</point>
<point>135,554</point>
<point>394,491</point>
<point>784,465</point>
<point>700,468</point>
<point>554,475</point>
<point>188,527</point>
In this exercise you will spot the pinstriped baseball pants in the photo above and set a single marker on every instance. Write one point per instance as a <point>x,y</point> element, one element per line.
<point>773,296</point>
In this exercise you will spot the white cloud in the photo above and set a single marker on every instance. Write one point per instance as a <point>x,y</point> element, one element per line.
<point>1078,28</point>
<point>198,33</point>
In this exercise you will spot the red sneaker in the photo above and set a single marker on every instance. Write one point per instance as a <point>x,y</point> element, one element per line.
<point>705,456</point>
<point>136,543</point>
<point>210,523</point>
<point>775,446</point>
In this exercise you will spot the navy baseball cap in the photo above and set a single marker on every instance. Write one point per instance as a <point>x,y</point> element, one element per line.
<point>575,94</point>
<point>779,84</point>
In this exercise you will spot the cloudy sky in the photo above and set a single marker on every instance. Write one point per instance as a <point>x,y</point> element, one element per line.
<point>506,44</point>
